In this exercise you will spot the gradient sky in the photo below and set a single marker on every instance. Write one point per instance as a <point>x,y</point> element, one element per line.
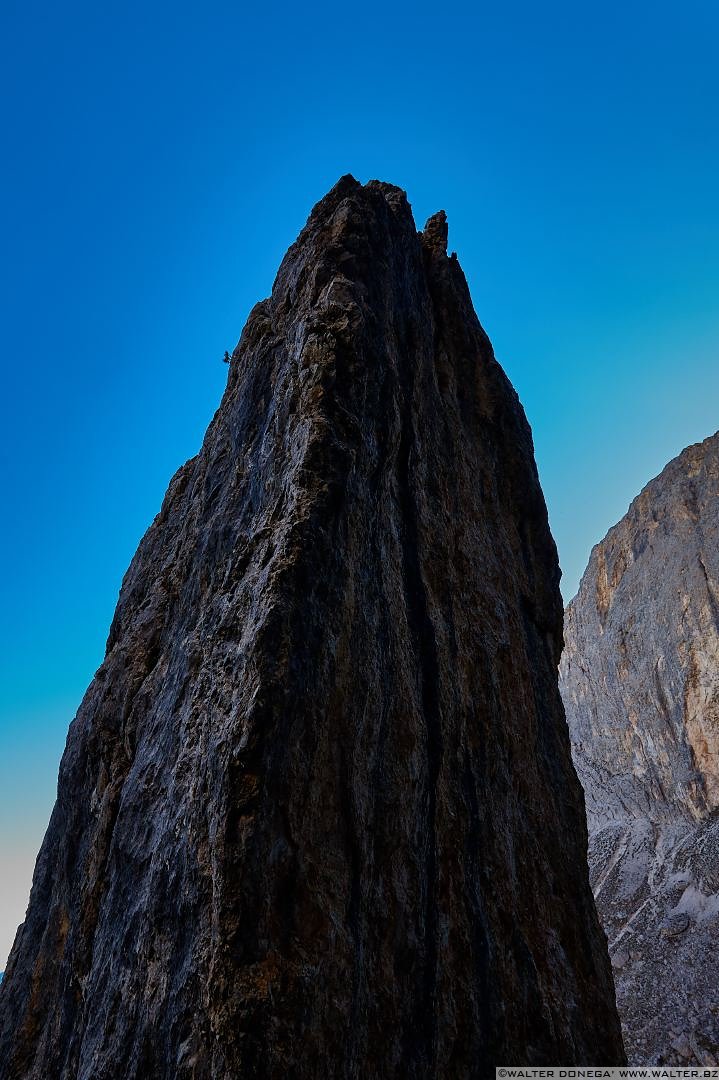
<point>159,159</point>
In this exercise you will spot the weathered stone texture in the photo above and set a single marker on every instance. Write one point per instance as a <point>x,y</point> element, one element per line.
<point>317,815</point>
<point>640,681</point>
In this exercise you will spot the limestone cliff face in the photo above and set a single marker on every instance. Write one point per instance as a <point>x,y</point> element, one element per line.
<point>640,681</point>
<point>317,815</point>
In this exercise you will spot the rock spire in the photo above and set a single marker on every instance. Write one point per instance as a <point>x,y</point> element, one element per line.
<point>317,814</point>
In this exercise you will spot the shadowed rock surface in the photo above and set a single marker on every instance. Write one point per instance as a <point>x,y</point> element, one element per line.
<point>317,815</point>
<point>640,681</point>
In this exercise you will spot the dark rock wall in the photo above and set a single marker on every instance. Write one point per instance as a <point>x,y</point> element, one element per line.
<point>317,815</point>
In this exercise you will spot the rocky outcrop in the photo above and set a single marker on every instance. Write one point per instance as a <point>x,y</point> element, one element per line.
<point>317,815</point>
<point>640,681</point>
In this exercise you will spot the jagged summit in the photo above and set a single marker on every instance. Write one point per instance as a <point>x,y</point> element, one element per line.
<point>648,598</point>
<point>435,233</point>
<point>316,815</point>
<point>677,472</point>
<point>367,197</point>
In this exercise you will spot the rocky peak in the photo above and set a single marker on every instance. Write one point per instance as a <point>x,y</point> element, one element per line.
<point>642,639</point>
<point>317,814</point>
<point>640,682</point>
<point>435,233</point>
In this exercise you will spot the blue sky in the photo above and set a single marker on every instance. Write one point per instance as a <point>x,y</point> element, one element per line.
<point>159,159</point>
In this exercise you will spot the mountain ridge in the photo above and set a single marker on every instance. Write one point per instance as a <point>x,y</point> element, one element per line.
<point>640,683</point>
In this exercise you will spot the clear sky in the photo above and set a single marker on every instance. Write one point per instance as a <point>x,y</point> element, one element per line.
<point>160,158</point>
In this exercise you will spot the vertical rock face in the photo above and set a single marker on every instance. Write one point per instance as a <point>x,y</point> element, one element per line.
<point>640,681</point>
<point>317,814</point>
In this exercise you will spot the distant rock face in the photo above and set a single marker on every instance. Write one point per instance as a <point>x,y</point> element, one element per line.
<point>317,815</point>
<point>640,682</point>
